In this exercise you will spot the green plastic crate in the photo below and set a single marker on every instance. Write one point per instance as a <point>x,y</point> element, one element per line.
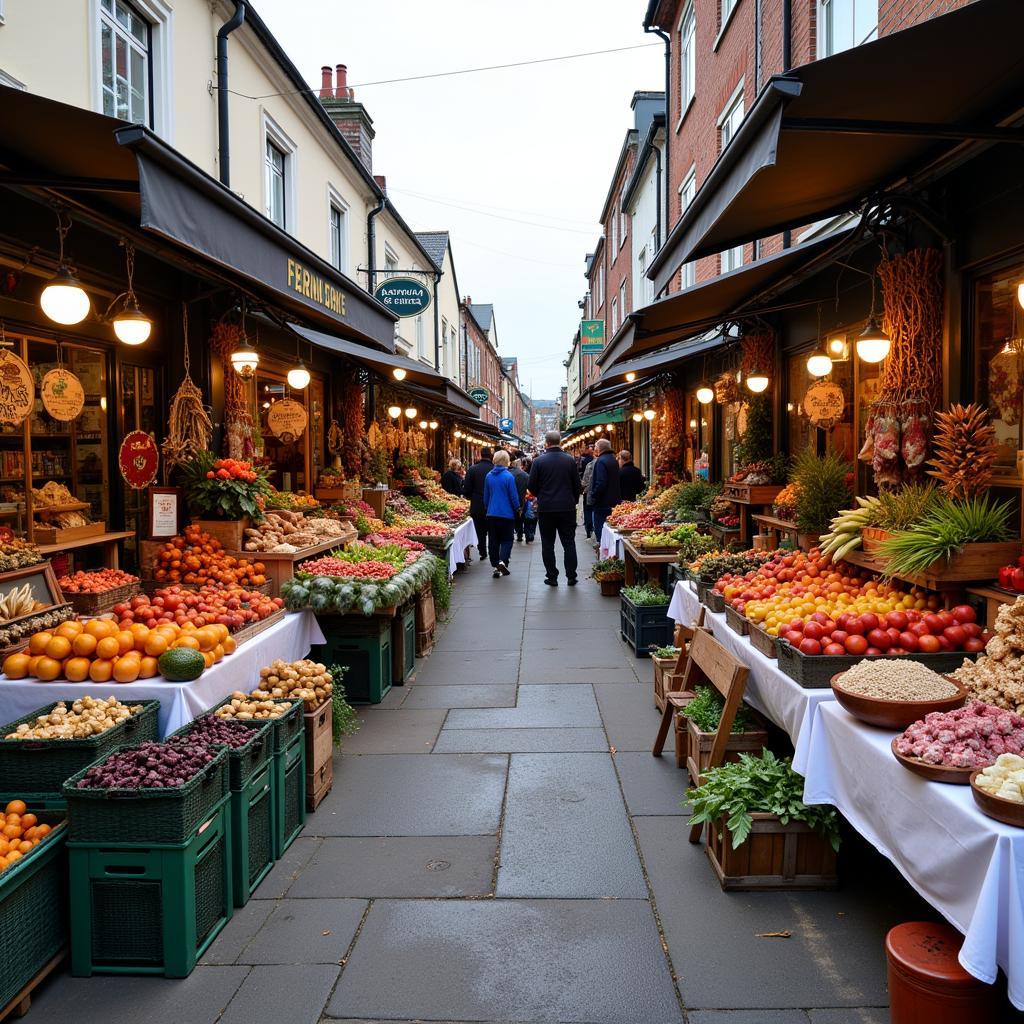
<point>644,626</point>
<point>289,794</point>
<point>35,770</point>
<point>368,659</point>
<point>150,816</point>
<point>403,644</point>
<point>33,910</point>
<point>150,909</point>
<point>252,832</point>
<point>243,761</point>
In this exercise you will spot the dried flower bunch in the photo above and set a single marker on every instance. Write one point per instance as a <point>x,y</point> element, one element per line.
<point>965,450</point>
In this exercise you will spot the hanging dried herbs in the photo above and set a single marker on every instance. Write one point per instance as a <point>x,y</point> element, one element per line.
<point>239,440</point>
<point>350,398</point>
<point>189,427</point>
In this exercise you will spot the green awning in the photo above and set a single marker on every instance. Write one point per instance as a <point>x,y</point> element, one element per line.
<point>596,418</point>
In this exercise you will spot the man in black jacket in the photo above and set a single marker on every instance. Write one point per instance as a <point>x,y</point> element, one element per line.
<point>604,485</point>
<point>522,479</point>
<point>631,480</point>
<point>473,488</point>
<point>556,483</point>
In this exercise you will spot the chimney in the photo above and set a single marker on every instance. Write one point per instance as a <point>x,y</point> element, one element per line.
<point>382,181</point>
<point>350,117</point>
<point>325,81</point>
<point>468,300</point>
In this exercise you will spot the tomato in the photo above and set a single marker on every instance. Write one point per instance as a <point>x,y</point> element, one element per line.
<point>964,613</point>
<point>929,644</point>
<point>955,635</point>
<point>908,641</point>
<point>856,644</point>
<point>814,631</point>
<point>880,639</point>
<point>973,645</point>
<point>809,646</point>
<point>834,649</point>
<point>898,620</point>
<point>869,621</point>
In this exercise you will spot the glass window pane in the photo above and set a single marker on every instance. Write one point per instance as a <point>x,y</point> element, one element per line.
<point>139,83</point>
<point>865,20</point>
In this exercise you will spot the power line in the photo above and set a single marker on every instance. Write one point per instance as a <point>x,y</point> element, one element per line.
<point>461,71</point>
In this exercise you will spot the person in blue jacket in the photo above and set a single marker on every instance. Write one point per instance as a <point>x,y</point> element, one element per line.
<point>504,506</point>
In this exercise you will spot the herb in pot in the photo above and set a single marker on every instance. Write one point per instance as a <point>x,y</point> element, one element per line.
<point>705,711</point>
<point>608,569</point>
<point>824,489</point>
<point>664,652</point>
<point>646,595</point>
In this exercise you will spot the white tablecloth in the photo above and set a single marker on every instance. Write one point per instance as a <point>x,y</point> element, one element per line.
<point>289,639</point>
<point>611,542</point>
<point>789,705</point>
<point>464,537</point>
<point>965,864</point>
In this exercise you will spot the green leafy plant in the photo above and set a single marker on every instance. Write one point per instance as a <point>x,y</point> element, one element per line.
<point>441,585</point>
<point>824,490</point>
<point>608,569</point>
<point>764,784</point>
<point>378,466</point>
<point>218,498</point>
<point>756,442</point>
<point>344,721</point>
<point>705,711</point>
<point>694,498</point>
<point>900,510</point>
<point>943,532</point>
<point>647,594</point>
<point>664,652</point>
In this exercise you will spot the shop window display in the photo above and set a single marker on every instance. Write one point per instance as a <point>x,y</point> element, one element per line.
<point>801,432</point>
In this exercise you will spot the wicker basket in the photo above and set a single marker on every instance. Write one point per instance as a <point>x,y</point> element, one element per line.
<point>243,761</point>
<point>96,604</point>
<point>762,641</point>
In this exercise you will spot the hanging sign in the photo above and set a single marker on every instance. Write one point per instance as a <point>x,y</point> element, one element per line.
<point>287,420</point>
<point>479,395</point>
<point>824,404</point>
<point>138,459</point>
<point>506,425</point>
<point>63,395</point>
<point>403,296</point>
<point>17,389</point>
<point>591,336</point>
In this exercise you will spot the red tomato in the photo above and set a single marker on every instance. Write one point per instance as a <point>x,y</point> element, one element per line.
<point>973,645</point>
<point>856,644</point>
<point>880,639</point>
<point>964,613</point>
<point>908,641</point>
<point>809,646</point>
<point>834,649</point>
<point>814,631</point>
<point>934,623</point>
<point>956,635</point>
<point>897,620</point>
<point>929,644</point>
<point>869,621</point>
<point>874,651</point>
<point>839,636</point>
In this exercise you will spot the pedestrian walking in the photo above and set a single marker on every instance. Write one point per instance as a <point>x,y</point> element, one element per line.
<point>604,485</point>
<point>588,508</point>
<point>473,488</point>
<point>451,479</point>
<point>503,504</point>
<point>530,517</point>
<point>522,479</point>
<point>631,480</point>
<point>556,483</point>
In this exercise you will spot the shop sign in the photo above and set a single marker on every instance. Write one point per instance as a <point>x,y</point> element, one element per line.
<point>403,296</point>
<point>506,425</point>
<point>591,336</point>
<point>138,459</point>
<point>824,404</point>
<point>315,288</point>
<point>63,394</point>
<point>287,420</point>
<point>17,389</point>
<point>479,395</point>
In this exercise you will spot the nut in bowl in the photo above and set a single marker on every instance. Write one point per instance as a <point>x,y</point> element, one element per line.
<point>895,694</point>
<point>997,789</point>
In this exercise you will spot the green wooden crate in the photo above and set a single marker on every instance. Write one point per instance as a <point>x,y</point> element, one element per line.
<point>252,832</point>
<point>289,794</point>
<point>403,644</point>
<point>150,909</point>
<point>243,761</point>
<point>368,659</point>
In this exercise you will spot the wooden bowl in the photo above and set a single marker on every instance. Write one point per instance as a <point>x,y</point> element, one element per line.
<point>933,772</point>
<point>894,714</point>
<point>997,807</point>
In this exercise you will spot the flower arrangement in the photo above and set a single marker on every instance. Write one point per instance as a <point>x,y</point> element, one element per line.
<point>225,488</point>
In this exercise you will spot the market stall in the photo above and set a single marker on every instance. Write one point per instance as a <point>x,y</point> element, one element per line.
<point>464,538</point>
<point>611,542</point>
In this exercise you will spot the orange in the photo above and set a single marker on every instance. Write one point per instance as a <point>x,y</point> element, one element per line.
<point>12,831</point>
<point>84,645</point>
<point>126,669</point>
<point>44,830</point>
<point>230,646</point>
<point>108,647</point>
<point>5,845</point>
<point>25,845</point>
<point>48,668</point>
<point>28,820</point>
<point>100,628</point>
<point>58,648</point>
<point>220,629</point>
<point>76,669</point>
<point>70,629</point>
<point>209,659</point>
<point>148,668</point>
<point>188,641</point>
<point>156,644</point>
<point>101,671</point>
<point>218,651</point>
<point>207,638</point>
<point>13,856</point>
<point>16,666</point>
<point>38,641</point>
<point>138,628</point>
<point>125,641</point>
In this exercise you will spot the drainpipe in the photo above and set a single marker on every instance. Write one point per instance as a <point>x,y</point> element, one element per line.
<point>223,135</point>
<point>371,244</point>
<point>657,189</point>
<point>787,64</point>
<point>668,118</point>
<point>437,325</point>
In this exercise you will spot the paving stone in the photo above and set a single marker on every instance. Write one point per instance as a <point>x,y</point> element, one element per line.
<point>591,650</point>
<point>538,707</point>
<point>411,795</point>
<point>198,999</point>
<point>519,741</point>
<point>400,731</point>
<point>571,621</point>
<point>239,932</point>
<point>470,667</point>
<point>287,869</point>
<point>859,1015</point>
<point>394,698</point>
<point>748,1017</point>
<point>485,695</point>
<point>558,807</point>
<point>297,993</point>
<point>304,932</point>
<point>596,961</point>
<point>433,866</point>
<point>501,635</point>
<point>834,958</point>
<point>629,715</point>
<point>652,785</point>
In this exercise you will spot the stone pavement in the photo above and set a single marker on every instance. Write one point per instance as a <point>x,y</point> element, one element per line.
<point>500,845</point>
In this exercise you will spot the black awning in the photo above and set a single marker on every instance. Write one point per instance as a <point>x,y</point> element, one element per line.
<point>823,138</point>
<point>656,362</point>
<point>383,362</point>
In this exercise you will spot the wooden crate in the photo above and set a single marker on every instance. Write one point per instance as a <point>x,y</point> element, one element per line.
<point>736,622</point>
<point>319,740</point>
<point>318,785</point>
<point>329,494</point>
<point>424,643</point>
<point>751,494</point>
<point>376,499</point>
<point>774,857</point>
<point>762,641</point>
<point>425,613</point>
<point>698,744</point>
<point>230,532</point>
<point>43,533</point>
<point>666,679</point>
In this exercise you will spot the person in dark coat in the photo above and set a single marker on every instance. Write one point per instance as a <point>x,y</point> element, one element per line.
<point>522,480</point>
<point>451,479</point>
<point>604,484</point>
<point>504,507</point>
<point>473,488</point>
<point>631,480</point>
<point>556,483</point>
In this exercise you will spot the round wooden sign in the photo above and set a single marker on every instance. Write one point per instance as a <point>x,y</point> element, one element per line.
<point>139,459</point>
<point>824,404</point>
<point>63,395</point>
<point>17,389</point>
<point>287,420</point>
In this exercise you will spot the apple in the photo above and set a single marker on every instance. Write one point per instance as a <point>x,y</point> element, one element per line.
<point>956,635</point>
<point>929,644</point>
<point>964,613</point>
<point>880,639</point>
<point>856,644</point>
<point>809,646</point>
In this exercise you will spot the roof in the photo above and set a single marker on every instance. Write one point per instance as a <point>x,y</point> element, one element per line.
<point>508,362</point>
<point>645,153</point>
<point>435,243</point>
<point>627,143</point>
<point>483,314</point>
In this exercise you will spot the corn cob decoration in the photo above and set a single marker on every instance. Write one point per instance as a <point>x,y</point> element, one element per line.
<point>845,529</point>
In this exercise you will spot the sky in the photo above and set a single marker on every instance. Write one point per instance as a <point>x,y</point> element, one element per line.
<point>515,163</point>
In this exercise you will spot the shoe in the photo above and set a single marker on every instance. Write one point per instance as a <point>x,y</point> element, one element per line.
<point>496,574</point>
<point>550,582</point>
<point>572,582</point>
<point>503,569</point>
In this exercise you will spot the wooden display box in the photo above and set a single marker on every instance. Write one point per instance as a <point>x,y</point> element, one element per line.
<point>376,499</point>
<point>43,533</point>
<point>737,623</point>
<point>329,494</point>
<point>281,566</point>
<point>762,641</point>
<point>774,857</point>
<point>698,744</point>
<point>319,753</point>
<point>666,679</point>
<point>426,619</point>
<point>751,494</point>
<point>611,588</point>
<point>871,539</point>
<point>318,785</point>
<point>230,532</point>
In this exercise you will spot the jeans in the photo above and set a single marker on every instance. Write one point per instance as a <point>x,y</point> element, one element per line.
<point>600,515</point>
<point>500,536</point>
<point>530,529</point>
<point>480,522</point>
<point>588,519</point>
<point>564,524</point>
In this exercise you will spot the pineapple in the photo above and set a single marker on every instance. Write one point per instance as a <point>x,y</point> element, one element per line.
<point>965,450</point>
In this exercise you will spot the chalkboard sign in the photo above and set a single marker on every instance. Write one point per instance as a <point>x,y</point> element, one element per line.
<point>39,577</point>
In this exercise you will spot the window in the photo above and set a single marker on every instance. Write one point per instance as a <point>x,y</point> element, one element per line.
<point>615,235</point>
<point>125,58</point>
<point>687,58</point>
<point>390,261</point>
<point>623,300</point>
<point>337,232</point>
<point>843,24</point>
<point>731,118</point>
<point>732,259</point>
<point>615,315</point>
<point>727,7</point>
<point>687,191</point>
<point>641,267</point>
<point>623,226</point>
<point>421,341</point>
<point>275,184</point>
<point>600,287</point>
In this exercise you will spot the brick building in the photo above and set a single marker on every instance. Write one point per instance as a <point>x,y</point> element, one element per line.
<point>481,366</point>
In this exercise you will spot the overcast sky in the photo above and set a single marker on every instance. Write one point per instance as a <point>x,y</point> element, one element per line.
<point>480,154</point>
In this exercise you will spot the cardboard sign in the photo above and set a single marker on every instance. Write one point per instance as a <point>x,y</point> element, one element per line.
<point>824,403</point>
<point>138,459</point>
<point>287,420</point>
<point>17,389</point>
<point>63,395</point>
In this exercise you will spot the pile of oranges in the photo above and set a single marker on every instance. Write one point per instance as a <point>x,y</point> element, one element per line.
<point>21,831</point>
<point>103,652</point>
<point>196,557</point>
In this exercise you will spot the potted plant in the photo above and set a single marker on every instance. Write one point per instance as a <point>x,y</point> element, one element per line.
<point>824,486</point>
<point>699,720</point>
<point>644,620</point>
<point>610,573</point>
<point>225,496</point>
<point>760,833</point>
<point>666,679</point>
